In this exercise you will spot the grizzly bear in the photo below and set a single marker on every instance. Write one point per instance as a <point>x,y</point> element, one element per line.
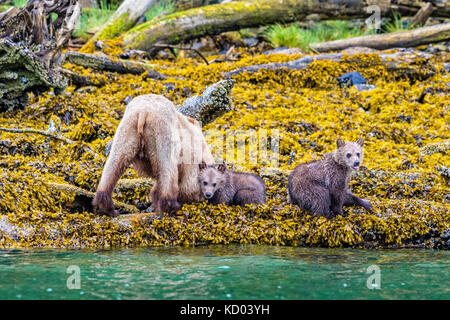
<point>321,186</point>
<point>161,143</point>
<point>220,185</point>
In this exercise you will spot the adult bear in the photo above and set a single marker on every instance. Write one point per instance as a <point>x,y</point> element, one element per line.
<point>160,143</point>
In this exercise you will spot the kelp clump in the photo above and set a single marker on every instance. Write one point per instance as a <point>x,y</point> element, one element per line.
<point>305,110</point>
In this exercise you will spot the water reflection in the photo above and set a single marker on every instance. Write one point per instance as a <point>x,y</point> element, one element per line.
<point>224,272</point>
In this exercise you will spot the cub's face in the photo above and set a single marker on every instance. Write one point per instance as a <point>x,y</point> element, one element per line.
<point>350,153</point>
<point>211,178</point>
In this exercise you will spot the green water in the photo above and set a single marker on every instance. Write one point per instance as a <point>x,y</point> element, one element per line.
<point>225,272</point>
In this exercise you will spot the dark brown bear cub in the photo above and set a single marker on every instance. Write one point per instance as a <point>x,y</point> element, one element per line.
<point>220,185</point>
<point>321,186</point>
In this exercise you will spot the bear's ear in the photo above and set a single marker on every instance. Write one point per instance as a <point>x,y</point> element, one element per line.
<point>221,168</point>
<point>340,143</point>
<point>202,165</point>
<point>360,141</point>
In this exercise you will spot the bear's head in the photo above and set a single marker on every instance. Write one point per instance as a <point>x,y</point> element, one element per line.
<point>211,178</point>
<point>349,154</point>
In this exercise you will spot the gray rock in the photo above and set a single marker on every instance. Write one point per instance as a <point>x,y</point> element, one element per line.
<point>250,42</point>
<point>364,87</point>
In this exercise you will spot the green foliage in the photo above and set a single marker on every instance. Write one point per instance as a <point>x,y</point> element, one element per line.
<point>91,20</point>
<point>108,5</point>
<point>396,24</point>
<point>161,7</point>
<point>19,3</point>
<point>296,36</point>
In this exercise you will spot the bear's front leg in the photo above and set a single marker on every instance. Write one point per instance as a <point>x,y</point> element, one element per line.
<point>165,202</point>
<point>337,201</point>
<point>351,199</point>
<point>103,203</point>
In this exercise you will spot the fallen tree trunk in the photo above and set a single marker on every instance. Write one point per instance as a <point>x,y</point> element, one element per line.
<point>436,147</point>
<point>22,72</point>
<point>189,4</point>
<point>130,13</point>
<point>30,47</point>
<point>422,15</point>
<point>79,80</point>
<point>106,64</point>
<point>215,19</point>
<point>48,135</point>
<point>123,19</point>
<point>84,198</point>
<point>410,38</point>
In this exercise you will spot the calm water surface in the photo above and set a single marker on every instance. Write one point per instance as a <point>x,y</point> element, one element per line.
<point>224,272</point>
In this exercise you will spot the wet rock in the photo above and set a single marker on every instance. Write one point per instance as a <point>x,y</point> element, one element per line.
<point>357,50</point>
<point>291,158</point>
<point>284,50</point>
<point>446,234</point>
<point>447,67</point>
<point>435,48</point>
<point>250,42</point>
<point>108,147</point>
<point>133,54</point>
<point>443,171</point>
<point>99,45</point>
<point>186,92</point>
<point>169,87</point>
<point>86,89</point>
<point>127,99</point>
<point>364,87</point>
<point>351,78</point>
<point>404,118</point>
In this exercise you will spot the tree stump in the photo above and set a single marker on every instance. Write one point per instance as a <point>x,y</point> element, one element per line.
<point>31,39</point>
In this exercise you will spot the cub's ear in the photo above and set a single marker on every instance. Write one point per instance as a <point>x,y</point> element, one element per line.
<point>202,165</point>
<point>221,168</point>
<point>360,141</point>
<point>340,143</point>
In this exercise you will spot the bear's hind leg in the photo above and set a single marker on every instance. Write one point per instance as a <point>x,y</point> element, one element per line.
<point>164,195</point>
<point>313,198</point>
<point>248,196</point>
<point>165,165</point>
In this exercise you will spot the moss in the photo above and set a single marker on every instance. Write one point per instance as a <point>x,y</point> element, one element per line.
<point>310,111</point>
<point>170,28</point>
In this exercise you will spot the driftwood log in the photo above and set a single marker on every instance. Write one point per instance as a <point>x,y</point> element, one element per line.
<point>31,39</point>
<point>409,38</point>
<point>123,19</point>
<point>230,16</point>
<point>130,12</point>
<point>106,64</point>
<point>213,103</point>
<point>422,15</point>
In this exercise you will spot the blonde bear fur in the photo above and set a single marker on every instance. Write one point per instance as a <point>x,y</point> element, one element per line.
<point>160,143</point>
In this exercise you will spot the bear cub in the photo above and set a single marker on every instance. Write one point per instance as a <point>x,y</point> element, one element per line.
<point>220,185</point>
<point>321,186</point>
